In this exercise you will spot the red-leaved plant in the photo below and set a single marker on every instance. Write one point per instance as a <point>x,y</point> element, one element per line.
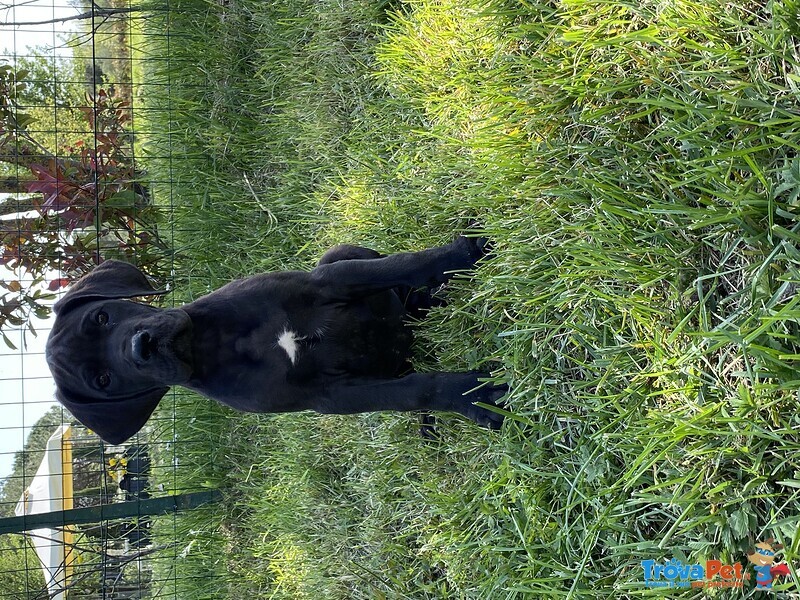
<point>85,206</point>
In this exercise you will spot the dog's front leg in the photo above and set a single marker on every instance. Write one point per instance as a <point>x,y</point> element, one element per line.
<point>451,392</point>
<point>427,268</point>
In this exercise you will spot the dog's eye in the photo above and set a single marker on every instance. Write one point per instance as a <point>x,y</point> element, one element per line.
<point>101,318</point>
<point>103,380</point>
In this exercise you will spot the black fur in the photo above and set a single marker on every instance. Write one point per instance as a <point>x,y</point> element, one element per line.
<point>114,359</point>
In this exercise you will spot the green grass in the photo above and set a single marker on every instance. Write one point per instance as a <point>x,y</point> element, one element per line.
<point>636,165</point>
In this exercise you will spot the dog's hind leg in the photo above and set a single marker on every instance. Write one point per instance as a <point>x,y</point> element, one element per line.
<point>415,301</point>
<point>347,252</point>
<point>419,301</point>
<point>427,268</point>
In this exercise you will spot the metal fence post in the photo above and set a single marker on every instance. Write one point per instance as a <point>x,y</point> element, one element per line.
<point>105,512</point>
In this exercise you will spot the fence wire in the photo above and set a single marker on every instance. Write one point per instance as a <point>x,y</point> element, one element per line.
<point>78,114</point>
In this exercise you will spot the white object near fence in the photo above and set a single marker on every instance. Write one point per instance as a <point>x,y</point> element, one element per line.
<point>51,490</point>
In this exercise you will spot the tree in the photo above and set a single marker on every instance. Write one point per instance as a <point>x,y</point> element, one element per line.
<point>52,97</point>
<point>20,574</point>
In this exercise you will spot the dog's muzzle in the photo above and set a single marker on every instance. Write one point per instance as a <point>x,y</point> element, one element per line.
<point>142,347</point>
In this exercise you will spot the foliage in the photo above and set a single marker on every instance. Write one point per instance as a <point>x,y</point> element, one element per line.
<point>52,95</point>
<point>50,81</point>
<point>91,202</point>
<point>20,574</point>
<point>97,189</point>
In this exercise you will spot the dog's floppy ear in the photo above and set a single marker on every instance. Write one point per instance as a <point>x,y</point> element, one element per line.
<point>114,420</point>
<point>113,279</point>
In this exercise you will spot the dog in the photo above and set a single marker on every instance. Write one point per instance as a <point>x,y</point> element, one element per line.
<point>335,339</point>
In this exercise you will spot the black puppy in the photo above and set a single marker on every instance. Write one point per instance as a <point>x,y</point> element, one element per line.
<point>333,340</point>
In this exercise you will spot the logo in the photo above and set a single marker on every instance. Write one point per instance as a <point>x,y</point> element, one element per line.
<point>674,573</point>
<point>762,557</point>
<point>711,574</point>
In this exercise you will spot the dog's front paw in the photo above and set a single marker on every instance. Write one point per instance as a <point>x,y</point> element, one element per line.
<point>489,395</point>
<point>475,247</point>
<point>486,418</point>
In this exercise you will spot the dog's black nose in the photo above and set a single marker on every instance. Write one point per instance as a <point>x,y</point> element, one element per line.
<point>142,346</point>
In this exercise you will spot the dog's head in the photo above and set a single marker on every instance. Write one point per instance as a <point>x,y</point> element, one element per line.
<point>113,359</point>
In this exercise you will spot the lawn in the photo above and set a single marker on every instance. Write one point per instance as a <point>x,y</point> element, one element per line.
<point>636,166</point>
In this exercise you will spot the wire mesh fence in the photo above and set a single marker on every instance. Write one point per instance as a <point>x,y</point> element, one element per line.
<point>85,176</point>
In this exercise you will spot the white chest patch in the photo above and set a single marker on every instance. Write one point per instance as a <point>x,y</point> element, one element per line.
<point>288,341</point>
